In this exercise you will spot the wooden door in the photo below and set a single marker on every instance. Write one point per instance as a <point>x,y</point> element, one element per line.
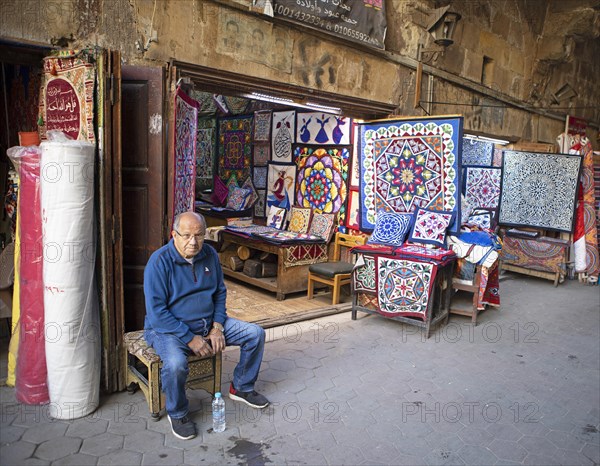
<point>143,181</point>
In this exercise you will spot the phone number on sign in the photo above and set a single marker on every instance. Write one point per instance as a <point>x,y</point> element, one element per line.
<point>323,24</point>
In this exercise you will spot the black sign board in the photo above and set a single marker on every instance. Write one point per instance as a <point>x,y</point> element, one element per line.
<point>360,21</point>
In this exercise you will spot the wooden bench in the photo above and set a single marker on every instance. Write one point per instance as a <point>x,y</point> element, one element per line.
<point>143,371</point>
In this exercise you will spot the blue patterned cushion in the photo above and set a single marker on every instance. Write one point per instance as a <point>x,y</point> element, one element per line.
<point>237,198</point>
<point>390,228</point>
<point>483,218</point>
<point>430,227</point>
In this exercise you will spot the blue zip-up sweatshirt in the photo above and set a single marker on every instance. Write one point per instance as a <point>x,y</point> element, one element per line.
<point>179,294</point>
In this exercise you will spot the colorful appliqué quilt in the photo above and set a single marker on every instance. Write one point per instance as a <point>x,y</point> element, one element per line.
<point>186,121</point>
<point>539,190</point>
<point>283,135</point>
<point>321,178</point>
<point>259,177</point>
<point>482,186</point>
<point>406,164</point>
<point>404,286</point>
<point>206,141</point>
<point>322,128</point>
<point>67,97</point>
<point>478,153</point>
<point>235,146</point>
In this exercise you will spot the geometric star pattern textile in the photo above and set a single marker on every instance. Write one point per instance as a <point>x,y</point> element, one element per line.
<point>206,140</point>
<point>321,178</point>
<point>478,153</point>
<point>407,164</point>
<point>404,286</point>
<point>482,187</point>
<point>539,190</point>
<point>186,122</point>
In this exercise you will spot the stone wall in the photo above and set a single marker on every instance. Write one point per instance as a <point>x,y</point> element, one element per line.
<point>519,50</point>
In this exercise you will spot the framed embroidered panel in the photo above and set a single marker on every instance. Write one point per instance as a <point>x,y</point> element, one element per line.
<point>322,128</point>
<point>235,146</point>
<point>408,164</point>
<point>477,153</point>
<point>281,183</point>
<point>539,190</point>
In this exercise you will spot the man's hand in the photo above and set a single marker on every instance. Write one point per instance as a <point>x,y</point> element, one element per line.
<point>200,346</point>
<point>217,340</point>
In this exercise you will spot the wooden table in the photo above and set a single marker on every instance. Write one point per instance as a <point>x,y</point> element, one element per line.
<point>288,280</point>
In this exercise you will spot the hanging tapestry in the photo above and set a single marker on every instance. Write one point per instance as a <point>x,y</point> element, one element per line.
<point>539,190</point>
<point>259,176</point>
<point>259,206</point>
<point>67,97</point>
<point>262,126</point>
<point>406,164</point>
<point>281,183</point>
<point>282,135</point>
<point>363,276</point>
<point>353,210</point>
<point>404,286</point>
<point>235,147</point>
<point>478,153</point>
<point>205,152</point>
<point>236,105</point>
<point>186,121</point>
<point>482,187</point>
<point>323,128</point>
<point>261,154</point>
<point>206,103</point>
<point>321,179</point>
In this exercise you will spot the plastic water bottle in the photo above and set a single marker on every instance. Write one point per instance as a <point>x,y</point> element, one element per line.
<point>218,413</point>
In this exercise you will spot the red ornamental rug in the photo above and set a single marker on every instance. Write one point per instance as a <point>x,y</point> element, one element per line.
<point>31,374</point>
<point>67,97</point>
<point>592,257</point>
<point>546,255</point>
<point>186,121</point>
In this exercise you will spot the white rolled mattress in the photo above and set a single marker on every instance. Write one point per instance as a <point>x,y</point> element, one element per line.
<point>72,327</point>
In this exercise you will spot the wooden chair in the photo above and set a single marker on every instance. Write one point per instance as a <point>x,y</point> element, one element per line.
<point>335,273</point>
<point>143,371</point>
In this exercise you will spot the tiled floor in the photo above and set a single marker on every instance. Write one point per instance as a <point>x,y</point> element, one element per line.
<point>522,387</point>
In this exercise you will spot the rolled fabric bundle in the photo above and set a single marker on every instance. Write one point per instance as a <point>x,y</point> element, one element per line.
<point>31,386</point>
<point>72,331</point>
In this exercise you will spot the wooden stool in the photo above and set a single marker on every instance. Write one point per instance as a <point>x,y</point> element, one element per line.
<point>143,371</point>
<point>471,286</point>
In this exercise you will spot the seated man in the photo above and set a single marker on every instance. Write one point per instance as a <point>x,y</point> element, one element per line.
<point>185,313</point>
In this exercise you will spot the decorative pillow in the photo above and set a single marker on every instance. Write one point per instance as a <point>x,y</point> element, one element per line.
<point>232,182</point>
<point>220,192</point>
<point>391,228</point>
<point>253,197</point>
<point>299,219</point>
<point>322,225</point>
<point>483,218</point>
<point>237,198</point>
<point>430,227</point>
<point>276,217</point>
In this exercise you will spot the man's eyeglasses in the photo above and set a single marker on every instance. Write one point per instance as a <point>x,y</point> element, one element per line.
<point>188,237</point>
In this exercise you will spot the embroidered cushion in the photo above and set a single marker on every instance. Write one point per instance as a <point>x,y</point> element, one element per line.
<point>483,218</point>
<point>299,219</point>
<point>220,192</point>
<point>252,198</point>
<point>430,227</point>
<point>276,217</point>
<point>322,225</point>
<point>237,198</point>
<point>232,182</point>
<point>391,228</point>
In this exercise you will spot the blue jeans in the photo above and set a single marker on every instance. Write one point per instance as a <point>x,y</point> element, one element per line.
<point>174,353</point>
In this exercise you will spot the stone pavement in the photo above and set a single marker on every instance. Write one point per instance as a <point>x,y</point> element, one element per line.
<point>522,387</point>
